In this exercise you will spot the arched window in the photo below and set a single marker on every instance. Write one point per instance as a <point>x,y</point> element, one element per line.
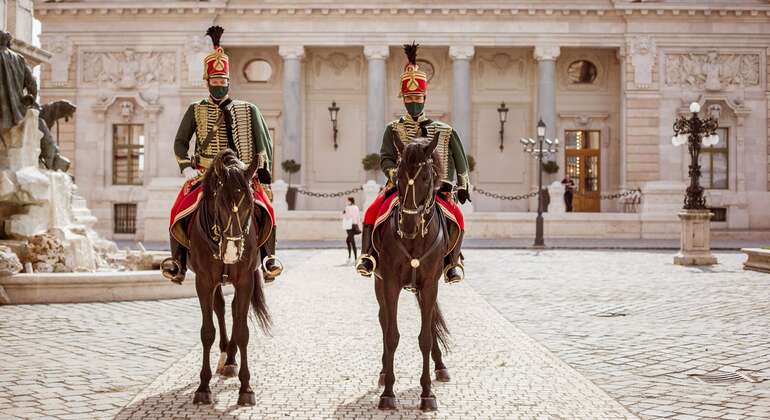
<point>582,72</point>
<point>258,71</point>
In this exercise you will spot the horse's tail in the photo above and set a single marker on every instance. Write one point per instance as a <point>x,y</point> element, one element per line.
<point>259,305</point>
<point>440,330</point>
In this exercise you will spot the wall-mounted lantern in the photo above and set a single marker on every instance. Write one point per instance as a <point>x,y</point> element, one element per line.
<point>503,113</point>
<point>333,110</point>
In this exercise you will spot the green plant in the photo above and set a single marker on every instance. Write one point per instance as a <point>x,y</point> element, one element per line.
<point>471,163</point>
<point>371,162</point>
<point>290,167</point>
<point>550,167</point>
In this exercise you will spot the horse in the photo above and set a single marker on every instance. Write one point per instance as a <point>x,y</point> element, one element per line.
<point>223,249</point>
<point>413,241</point>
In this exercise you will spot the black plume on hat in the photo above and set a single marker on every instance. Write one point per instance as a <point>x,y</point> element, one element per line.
<point>411,52</point>
<point>215,32</point>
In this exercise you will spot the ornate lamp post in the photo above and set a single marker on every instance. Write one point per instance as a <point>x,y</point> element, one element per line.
<point>537,149</point>
<point>333,110</point>
<point>502,111</point>
<point>695,217</point>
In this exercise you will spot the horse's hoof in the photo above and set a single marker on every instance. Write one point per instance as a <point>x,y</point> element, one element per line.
<point>381,381</point>
<point>247,398</point>
<point>387,403</point>
<point>221,363</point>
<point>428,404</point>
<point>442,375</point>
<point>202,397</point>
<point>230,371</point>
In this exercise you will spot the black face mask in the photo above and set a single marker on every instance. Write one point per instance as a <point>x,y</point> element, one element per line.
<point>414,108</point>
<point>218,92</point>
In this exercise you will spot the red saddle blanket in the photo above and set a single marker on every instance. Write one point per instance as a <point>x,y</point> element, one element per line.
<point>190,196</point>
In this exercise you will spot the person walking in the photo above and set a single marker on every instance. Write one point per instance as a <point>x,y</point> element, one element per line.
<point>351,223</point>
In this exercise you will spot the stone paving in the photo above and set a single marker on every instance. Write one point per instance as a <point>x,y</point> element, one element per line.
<point>323,361</point>
<point>640,327</point>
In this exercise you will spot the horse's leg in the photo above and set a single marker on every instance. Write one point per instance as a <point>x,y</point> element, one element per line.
<point>219,310</point>
<point>427,301</point>
<point>392,289</point>
<point>208,334</point>
<point>379,289</point>
<point>244,287</point>
<point>442,373</point>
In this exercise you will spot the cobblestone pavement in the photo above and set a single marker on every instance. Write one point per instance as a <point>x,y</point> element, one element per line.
<point>641,328</point>
<point>324,358</point>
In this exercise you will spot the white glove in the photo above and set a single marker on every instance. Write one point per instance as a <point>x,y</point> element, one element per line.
<point>190,173</point>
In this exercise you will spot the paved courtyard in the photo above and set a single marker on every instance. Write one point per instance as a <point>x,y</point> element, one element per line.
<point>557,334</point>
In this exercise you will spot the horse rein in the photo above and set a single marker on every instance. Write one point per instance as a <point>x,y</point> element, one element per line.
<point>230,246</point>
<point>422,210</point>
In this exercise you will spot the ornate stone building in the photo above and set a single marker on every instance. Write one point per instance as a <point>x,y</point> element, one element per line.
<point>608,78</point>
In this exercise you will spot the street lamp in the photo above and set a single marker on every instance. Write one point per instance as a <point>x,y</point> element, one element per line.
<point>333,110</point>
<point>537,149</point>
<point>503,113</point>
<point>695,132</point>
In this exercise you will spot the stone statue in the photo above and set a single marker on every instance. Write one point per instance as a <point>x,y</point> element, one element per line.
<point>711,70</point>
<point>49,151</point>
<point>18,88</point>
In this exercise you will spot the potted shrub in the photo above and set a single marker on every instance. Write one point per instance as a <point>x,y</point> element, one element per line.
<point>371,164</point>
<point>471,163</point>
<point>550,167</point>
<point>291,167</point>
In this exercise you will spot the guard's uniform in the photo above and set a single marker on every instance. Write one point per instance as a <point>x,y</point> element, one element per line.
<point>235,125</point>
<point>454,164</point>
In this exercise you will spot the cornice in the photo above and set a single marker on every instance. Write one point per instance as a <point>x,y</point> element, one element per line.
<point>44,9</point>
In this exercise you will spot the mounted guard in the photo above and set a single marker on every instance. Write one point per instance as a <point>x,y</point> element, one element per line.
<point>218,123</point>
<point>453,163</point>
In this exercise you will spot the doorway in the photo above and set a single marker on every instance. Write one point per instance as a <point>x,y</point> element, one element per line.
<point>582,163</point>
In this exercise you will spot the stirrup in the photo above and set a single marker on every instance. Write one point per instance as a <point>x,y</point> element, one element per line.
<point>451,266</point>
<point>278,266</point>
<point>174,273</point>
<point>360,265</point>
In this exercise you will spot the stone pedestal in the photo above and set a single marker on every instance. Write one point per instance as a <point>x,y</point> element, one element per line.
<point>279,196</point>
<point>556,191</point>
<point>371,189</point>
<point>758,259</point>
<point>696,238</point>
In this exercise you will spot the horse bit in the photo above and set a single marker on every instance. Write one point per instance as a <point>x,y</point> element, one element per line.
<point>230,246</point>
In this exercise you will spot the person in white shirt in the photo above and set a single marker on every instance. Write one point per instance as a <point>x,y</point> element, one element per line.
<point>351,223</point>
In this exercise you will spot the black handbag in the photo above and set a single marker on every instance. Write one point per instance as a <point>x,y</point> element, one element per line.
<point>356,229</point>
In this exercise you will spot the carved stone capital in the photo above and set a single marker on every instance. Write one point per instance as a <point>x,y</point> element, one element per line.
<point>61,50</point>
<point>291,52</point>
<point>376,52</point>
<point>461,52</point>
<point>547,52</point>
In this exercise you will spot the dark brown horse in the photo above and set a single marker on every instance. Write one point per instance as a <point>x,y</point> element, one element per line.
<point>223,249</point>
<point>412,244</point>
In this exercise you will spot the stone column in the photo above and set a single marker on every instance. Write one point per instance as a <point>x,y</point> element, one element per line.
<point>461,92</point>
<point>377,100</point>
<point>546,56</point>
<point>292,101</point>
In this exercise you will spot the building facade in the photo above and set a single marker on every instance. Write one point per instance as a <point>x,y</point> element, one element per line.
<point>607,77</point>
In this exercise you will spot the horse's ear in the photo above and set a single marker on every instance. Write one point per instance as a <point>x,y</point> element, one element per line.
<point>399,144</point>
<point>252,169</point>
<point>432,145</point>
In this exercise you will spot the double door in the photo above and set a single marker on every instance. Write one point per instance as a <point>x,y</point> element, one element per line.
<point>582,163</point>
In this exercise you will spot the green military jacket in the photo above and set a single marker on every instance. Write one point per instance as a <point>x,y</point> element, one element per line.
<point>450,150</point>
<point>243,130</point>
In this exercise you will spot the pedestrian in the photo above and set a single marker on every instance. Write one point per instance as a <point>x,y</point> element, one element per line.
<point>351,223</point>
<point>569,191</point>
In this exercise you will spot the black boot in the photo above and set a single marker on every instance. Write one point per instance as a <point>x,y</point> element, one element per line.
<point>366,262</point>
<point>271,265</point>
<point>175,267</point>
<point>454,271</point>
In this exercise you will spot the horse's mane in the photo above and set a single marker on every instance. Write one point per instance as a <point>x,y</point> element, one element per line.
<point>226,170</point>
<point>414,154</point>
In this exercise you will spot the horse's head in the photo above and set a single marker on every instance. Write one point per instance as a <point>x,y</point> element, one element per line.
<point>418,181</point>
<point>227,189</point>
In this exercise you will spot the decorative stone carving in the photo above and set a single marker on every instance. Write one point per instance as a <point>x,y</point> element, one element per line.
<point>642,49</point>
<point>291,52</point>
<point>9,262</point>
<point>376,52</point>
<point>712,71</point>
<point>127,110</point>
<point>332,70</point>
<point>61,50</point>
<point>500,71</point>
<point>546,52</point>
<point>128,69</point>
<point>46,253</point>
<point>197,48</point>
<point>461,52</point>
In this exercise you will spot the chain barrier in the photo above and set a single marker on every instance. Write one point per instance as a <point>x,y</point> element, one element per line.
<point>616,195</point>
<point>330,195</point>
<point>503,196</point>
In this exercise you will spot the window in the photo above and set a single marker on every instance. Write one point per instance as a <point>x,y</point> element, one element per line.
<point>582,72</point>
<point>713,162</point>
<point>258,71</point>
<point>124,218</point>
<point>719,214</point>
<point>127,154</point>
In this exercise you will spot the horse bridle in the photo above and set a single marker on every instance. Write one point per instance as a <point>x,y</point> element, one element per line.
<point>230,244</point>
<point>424,209</point>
